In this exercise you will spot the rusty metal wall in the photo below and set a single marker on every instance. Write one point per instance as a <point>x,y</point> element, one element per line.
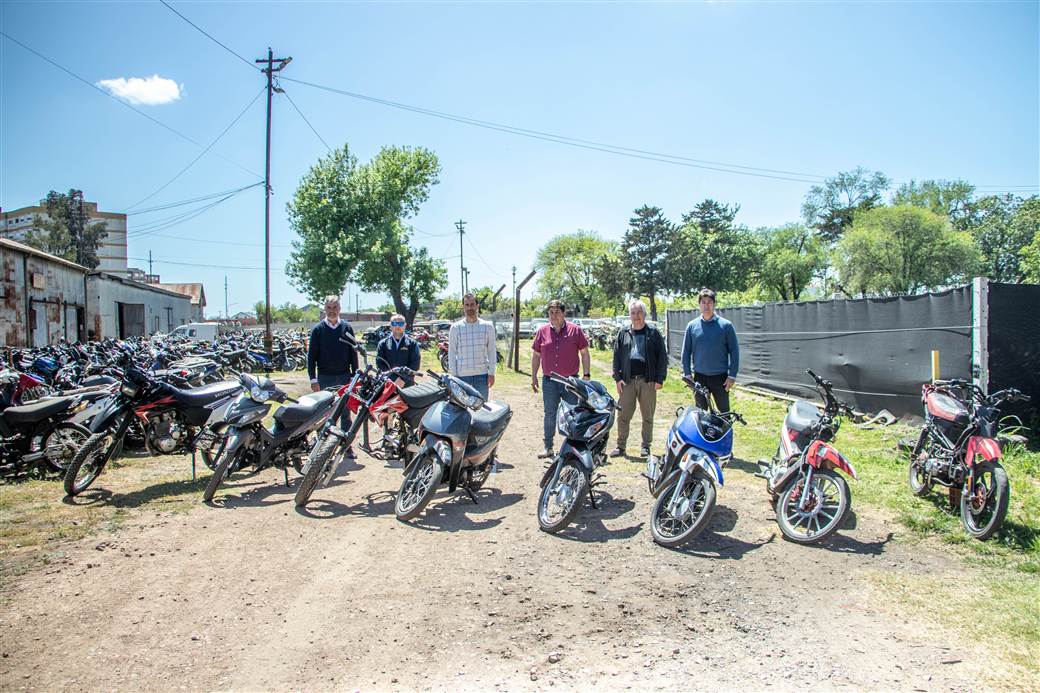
<point>162,310</point>
<point>37,297</point>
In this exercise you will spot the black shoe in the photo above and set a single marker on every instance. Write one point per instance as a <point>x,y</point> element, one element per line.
<point>644,452</point>
<point>350,455</point>
<point>617,452</point>
<point>547,453</point>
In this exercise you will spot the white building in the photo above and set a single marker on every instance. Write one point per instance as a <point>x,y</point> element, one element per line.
<point>15,224</point>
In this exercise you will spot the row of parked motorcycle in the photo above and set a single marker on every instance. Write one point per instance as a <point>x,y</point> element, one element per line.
<point>445,433</point>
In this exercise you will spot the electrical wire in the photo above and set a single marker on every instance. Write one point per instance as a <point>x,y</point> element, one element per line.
<point>181,203</point>
<point>124,103</point>
<point>200,154</point>
<point>163,224</point>
<point>195,264</point>
<point>480,257</point>
<point>306,121</point>
<point>209,36</point>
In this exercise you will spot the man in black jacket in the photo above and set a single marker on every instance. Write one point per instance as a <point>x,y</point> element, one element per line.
<point>640,367</point>
<point>331,356</point>
<point>398,349</point>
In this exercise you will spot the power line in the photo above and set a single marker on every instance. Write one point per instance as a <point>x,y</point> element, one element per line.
<point>208,35</point>
<point>200,155</point>
<point>123,103</point>
<point>163,224</point>
<point>181,203</point>
<point>195,264</point>
<point>473,246</point>
<point>306,121</point>
<point>207,240</point>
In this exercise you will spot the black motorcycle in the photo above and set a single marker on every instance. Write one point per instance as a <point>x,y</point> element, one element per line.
<point>38,436</point>
<point>585,426</point>
<point>236,432</point>
<point>170,418</point>
<point>457,445</point>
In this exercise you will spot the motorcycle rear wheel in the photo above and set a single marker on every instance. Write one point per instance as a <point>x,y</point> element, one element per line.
<point>568,490</point>
<point>61,444</point>
<point>697,506</point>
<point>90,460</point>
<point>830,490</point>
<point>418,486</point>
<point>992,481</point>
<point>444,362</point>
<point>323,457</point>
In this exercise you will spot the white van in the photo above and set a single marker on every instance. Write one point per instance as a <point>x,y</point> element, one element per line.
<point>199,331</point>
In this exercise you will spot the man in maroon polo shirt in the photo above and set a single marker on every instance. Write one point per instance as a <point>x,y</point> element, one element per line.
<point>556,349</point>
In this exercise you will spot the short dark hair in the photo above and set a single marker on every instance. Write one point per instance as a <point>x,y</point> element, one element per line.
<point>706,293</point>
<point>469,294</point>
<point>556,303</point>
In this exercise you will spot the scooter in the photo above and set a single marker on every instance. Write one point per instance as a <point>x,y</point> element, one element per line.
<point>684,481</point>
<point>457,444</point>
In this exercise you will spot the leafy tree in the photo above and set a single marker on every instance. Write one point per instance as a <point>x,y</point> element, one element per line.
<point>644,252</point>
<point>1003,225</point>
<point>902,250</point>
<point>792,257</point>
<point>65,229</point>
<point>290,312</point>
<point>449,308</point>
<point>950,199</point>
<point>567,269</point>
<point>612,277</point>
<point>1030,261</point>
<point>349,219</point>
<point>710,250</point>
<point>829,208</point>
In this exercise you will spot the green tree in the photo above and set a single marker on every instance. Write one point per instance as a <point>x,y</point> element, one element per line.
<point>290,312</point>
<point>950,199</point>
<point>792,257</point>
<point>902,250</point>
<point>711,250</point>
<point>1003,225</point>
<point>449,308</point>
<point>567,269</point>
<point>644,253</point>
<point>65,229</point>
<point>349,220</point>
<point>1030,261</point>
<point>829,207</point>
<point>612,277</point>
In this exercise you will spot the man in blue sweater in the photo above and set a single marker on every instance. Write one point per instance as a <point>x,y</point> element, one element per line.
<point>331,357</point>
<point>710,352</point>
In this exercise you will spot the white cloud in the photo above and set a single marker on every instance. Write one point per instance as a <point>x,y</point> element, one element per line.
<point>150,91</point>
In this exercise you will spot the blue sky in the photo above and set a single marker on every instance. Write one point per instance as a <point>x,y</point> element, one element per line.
<point>917,90</point>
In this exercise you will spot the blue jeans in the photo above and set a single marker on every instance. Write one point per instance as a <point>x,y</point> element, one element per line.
<point>552,393</point>
<point>327,381</point>
<point>478,383</point>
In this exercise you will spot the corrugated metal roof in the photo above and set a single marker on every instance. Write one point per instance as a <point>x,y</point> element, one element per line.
<point>29,250</point>
<point>158,288</point>
<point>194,290</point>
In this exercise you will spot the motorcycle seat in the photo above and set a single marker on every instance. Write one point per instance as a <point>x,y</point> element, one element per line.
<point>207,394</point>
<point>96,380</point>
<point>422,396</point>
<point>234,353</point>
<point>489,422</point>
<point>292,414</point>
<point>801,416</point>
<point>37,411</point>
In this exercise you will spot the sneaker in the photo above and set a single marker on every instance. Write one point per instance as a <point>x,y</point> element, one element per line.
<point>617,452</point>
<point>546,454</point>
<point>644,452</point>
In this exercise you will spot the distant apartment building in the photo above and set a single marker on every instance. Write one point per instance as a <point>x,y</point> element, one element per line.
<point>16,224</point>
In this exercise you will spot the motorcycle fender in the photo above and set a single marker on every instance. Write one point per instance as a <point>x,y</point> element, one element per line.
<point>429,443</point>
<point>985,448</point>
<point>584,456</point>
<point>694,458</point>
<point>821,454</point>
<point>108,416</point>
<point>550,472</point>
<point>239,438</point>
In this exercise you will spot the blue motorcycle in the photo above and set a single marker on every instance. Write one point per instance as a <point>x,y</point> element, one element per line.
<point>683,481</point>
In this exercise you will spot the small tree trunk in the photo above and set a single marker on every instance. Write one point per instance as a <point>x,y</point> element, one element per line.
<point>653,306</point>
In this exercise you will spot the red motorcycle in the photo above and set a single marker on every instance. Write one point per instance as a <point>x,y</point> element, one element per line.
<point>957,448</point>
<point>811,498</point>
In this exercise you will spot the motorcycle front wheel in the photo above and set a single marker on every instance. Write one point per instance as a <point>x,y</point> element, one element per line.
<point>444,362</point>
<point>674,527</point>
<point>560,499</point>
<point>984,507</point>
<point>220,473</point>
<point>418,486</point>
<point>829,501</point>
<point>323,457</point>
<point>87,464</point>
<point>918,477</point>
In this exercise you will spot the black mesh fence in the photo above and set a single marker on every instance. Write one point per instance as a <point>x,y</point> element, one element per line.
<point>1014,346</point>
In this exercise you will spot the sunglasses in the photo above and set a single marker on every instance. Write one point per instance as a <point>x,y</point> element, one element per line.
<point>397,323</point>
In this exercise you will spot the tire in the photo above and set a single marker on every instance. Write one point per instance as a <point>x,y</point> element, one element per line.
<point>991,477</point>
<point>481,475</point>
<point>419,486</point>
<point>219,474</point>
<point>444,362</point>
<point>91,458</point>
<point>568,494</point>
<point>837,499</point>
<point>67,438</point>
<point>325,452</point>
<point>917,478</point>
<point>695,511</point>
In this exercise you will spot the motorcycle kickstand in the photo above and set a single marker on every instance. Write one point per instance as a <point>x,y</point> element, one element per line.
<point>193,465</point>
<point>285,470</point>
<point>592,499</point>
<point>472,497</point>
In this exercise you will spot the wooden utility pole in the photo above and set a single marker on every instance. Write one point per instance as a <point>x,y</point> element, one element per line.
<point>269,61</point>
<point>461,225</point>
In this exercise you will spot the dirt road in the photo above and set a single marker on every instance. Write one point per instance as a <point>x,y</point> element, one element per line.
<point>250,594</point>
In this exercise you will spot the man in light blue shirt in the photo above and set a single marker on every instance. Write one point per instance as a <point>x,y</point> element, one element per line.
<point>710,352</point>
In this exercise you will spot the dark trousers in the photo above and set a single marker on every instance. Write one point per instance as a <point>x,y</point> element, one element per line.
<point>552,393</point>
<point>327,381</point>
<point>716,386</point>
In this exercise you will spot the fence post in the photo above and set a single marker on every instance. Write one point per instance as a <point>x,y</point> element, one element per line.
<point>980,332</point>
<point>935,365</point>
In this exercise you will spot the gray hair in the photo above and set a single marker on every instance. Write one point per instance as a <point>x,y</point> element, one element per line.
<point>397,316</point>
<point>331,299</point>
<point>636,303</point>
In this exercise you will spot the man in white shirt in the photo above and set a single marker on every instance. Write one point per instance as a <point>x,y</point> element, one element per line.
<point>472,348</point>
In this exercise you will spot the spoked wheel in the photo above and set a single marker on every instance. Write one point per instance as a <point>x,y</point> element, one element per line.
<point>825,508</point>
<point>560,499</point>
<point>323,457</point>
<point>984,506</point>
<point>418,486</point>
<point>918,479</point>
<point>673,526</point>
<point>62,444</point>
<point>444,362</point>
<point>87,464</point>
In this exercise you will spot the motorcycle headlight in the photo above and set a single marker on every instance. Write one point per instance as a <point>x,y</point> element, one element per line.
<point>594,429</point>
<point>258,395</point>
<point>128,389</point>
<point>599,401</point>
<point>463,397</point>
<point>563,421</point>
